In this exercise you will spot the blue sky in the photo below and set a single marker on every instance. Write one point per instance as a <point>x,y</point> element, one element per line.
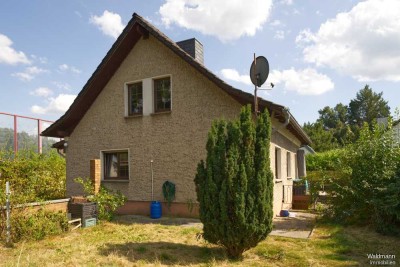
<point>320,52</point>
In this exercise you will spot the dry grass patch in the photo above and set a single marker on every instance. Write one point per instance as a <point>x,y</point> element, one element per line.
<point>114,244</point>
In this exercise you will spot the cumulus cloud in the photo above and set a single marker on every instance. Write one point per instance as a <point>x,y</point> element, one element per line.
<point>42,91</point>
<point>62,85</point>
<point>109,23</point>
<point>29,74</point>
<point>279,35</point>
<point>217,18</point>
<point>233,75</point>
<point>9,55</point>
<point>66,68</point>
<point>305,81</point>
<point>363,43</point>
<point>55,105</point>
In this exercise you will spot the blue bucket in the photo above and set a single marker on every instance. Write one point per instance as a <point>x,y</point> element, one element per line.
<point>284,213</point>
<point>155,210</point>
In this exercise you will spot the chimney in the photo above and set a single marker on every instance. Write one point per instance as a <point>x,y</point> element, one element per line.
<point>194,48</point>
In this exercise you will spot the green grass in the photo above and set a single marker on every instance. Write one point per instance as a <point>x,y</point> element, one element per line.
<point>113,244</point>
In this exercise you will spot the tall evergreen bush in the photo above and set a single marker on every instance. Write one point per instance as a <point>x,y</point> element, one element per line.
<point>235,183</point>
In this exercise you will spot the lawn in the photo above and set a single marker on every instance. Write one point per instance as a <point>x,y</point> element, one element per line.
<point>119,244</point>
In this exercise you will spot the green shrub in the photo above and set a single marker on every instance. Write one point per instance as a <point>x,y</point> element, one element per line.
<point>32,176</point>
<point>235,184</point>
<point>370,192</point>
<point>29,225</point>
<point>107,200</point>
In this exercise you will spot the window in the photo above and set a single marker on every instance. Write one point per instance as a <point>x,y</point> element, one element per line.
<point>277,163</point>
<point>162,94</point>
<point>135,99</point>
<point>116,165</point>
<point>288,164</point>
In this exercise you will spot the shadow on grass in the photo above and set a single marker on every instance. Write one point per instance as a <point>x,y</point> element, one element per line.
<point>163,252</point>
<point>130,219</point>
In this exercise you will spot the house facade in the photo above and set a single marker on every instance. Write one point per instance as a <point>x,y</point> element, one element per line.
<point>152,99</point>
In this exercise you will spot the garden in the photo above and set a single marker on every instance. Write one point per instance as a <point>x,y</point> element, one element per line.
<point>360,217</point>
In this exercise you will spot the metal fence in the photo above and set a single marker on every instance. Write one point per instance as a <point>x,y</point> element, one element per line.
<point>23,133</point>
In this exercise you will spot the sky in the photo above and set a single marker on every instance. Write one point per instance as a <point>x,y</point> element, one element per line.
<point>320,53</point>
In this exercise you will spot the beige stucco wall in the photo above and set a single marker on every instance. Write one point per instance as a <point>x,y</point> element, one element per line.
<point>175,141</point>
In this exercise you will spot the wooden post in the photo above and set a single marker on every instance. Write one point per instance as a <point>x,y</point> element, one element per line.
<point>95,174</point>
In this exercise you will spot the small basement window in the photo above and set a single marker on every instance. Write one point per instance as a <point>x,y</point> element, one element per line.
<point>162,94</point>
<point>135,99</point>
<point>116,165</point>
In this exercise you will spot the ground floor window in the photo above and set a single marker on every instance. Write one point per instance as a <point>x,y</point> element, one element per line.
<point>116,165</point>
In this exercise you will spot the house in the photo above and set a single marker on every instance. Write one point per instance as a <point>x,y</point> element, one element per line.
<point>153,99</point>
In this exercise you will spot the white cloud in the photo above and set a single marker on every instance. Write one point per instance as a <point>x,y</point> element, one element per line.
<point>109,23</point>
<point>226,21</point>
<point>287,2</point>
<point>280,35</point>
<point>305,82</point>
<point>363,43</point>
<point>57,105</point>
<point>62,85</point>
<point>65,68</point>
<point>29,74</point>
<point>233,75</point>
<point>42,91</point>
<point>276,23</point>
<point>9,55</point>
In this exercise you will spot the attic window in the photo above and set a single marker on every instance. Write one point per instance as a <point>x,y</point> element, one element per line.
<point>162,94</point>
<point>135,96</point>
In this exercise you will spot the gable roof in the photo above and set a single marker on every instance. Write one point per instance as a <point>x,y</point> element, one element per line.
<point>136,29</point>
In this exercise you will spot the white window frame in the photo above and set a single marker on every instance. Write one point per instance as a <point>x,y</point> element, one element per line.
<point>152,91</point>
<point>278,163</point>
<point>289,165</point>
<point>148,95</point>
<point>102,152</point>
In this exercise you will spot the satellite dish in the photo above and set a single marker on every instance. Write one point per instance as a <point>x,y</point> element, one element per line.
<point>259,71</point>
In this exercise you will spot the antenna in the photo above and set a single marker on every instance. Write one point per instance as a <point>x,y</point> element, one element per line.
<point>259,71</point>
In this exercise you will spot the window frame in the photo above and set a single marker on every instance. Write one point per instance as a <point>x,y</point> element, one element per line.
<point>164,110</point>
<point>278,163</point>
<point>129,104</point>
<point>289,165</point>
<point>103,154</point>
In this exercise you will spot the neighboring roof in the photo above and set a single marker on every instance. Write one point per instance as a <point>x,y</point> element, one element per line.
<point>137,28</point>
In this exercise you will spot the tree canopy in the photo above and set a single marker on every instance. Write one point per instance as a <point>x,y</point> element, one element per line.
<point>340,125</point>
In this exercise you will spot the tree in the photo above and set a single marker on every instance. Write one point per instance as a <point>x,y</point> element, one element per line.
<point>322,137</point>
<point>235,184</point>
<point>367,106</point>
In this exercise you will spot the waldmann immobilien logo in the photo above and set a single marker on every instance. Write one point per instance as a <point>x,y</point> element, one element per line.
<point>382,259</point>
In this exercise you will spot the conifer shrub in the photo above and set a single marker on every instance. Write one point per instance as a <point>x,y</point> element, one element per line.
<point>234,184</point>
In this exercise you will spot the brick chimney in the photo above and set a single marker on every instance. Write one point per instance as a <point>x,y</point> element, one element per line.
<point>194,48</point>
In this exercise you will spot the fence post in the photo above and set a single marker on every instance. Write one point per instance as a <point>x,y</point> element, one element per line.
<point>8,238</point>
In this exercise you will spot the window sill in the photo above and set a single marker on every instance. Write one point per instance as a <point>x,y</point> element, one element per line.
<point>133,116</point>
<point>160,113</point>
<point>290,178</point>
<point>115,181</point>
<point>278,181</point>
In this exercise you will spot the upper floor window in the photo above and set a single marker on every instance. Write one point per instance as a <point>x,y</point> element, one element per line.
<point>135,99</point>
<point>116,165</point>
<point>162,94</point>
